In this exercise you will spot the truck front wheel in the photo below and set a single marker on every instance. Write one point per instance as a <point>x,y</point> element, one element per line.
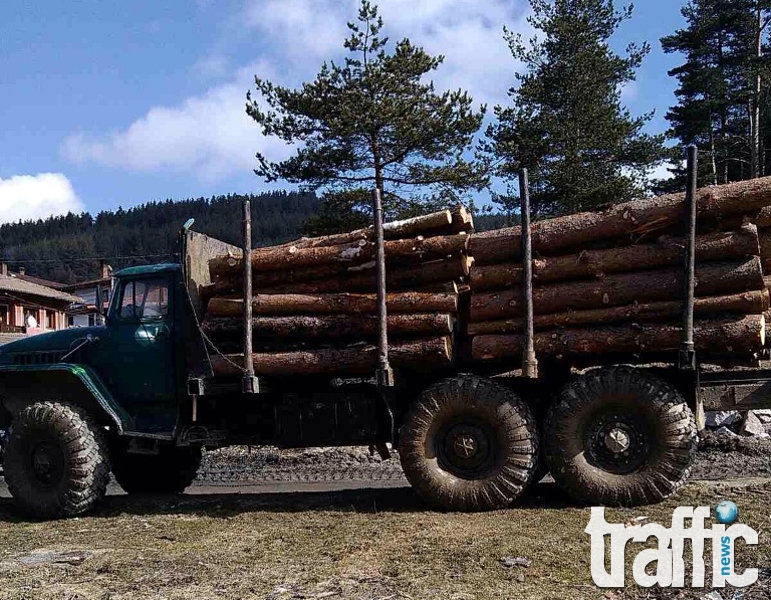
<point>619,436</point>
<point>168,472</point>
<point>56,461</point>
<point>468,443</point>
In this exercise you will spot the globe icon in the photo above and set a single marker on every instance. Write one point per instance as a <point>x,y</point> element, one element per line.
<point>726,512</point>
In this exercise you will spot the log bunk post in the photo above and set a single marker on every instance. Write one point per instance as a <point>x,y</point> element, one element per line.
<point>687,357</point>
<point>384,375</point>
<point>249,383</point>
<point>529,362</point>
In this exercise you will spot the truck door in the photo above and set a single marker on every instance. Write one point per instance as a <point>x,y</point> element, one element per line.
<point>143,338</point>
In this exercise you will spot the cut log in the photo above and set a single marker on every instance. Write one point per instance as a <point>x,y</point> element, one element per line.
<point>329,327</point>
<point>718,337</point>
<point>712,279</point>
<point>427,276</point>
<point>418,355</point>
<point>318,304</point>
<point>763,217</point>
<point>765,243</point>
<point>754,302</point>
<point>291,257</point>
<point>630,218</point>
<point>592,263</point>
<point>435,223</point>
<point>462,219</point>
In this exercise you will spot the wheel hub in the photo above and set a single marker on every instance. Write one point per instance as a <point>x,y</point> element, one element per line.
<point>465,445</point>
<point>466,449</point>
<point>47,462</point>
<point>617,443</point>
<point>617,440</point>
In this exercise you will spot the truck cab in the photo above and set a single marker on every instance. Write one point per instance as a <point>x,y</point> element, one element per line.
<point>135,361</point>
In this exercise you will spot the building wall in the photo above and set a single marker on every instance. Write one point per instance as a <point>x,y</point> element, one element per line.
<point>48,318</point>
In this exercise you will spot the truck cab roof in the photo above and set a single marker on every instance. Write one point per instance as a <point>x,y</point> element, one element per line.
<point>148,270</point>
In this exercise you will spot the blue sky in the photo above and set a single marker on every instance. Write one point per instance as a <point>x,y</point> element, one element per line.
<point>108,104</point>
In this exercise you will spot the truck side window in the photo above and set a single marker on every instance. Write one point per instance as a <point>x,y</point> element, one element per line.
<point>148,298</point>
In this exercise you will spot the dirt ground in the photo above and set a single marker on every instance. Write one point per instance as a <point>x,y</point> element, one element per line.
<point>379,542</point>
<point>719,458</point>
<point>362,544</point>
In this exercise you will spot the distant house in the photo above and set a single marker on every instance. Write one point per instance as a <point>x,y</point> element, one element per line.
<point>28,307</point>
<point>95,295</point>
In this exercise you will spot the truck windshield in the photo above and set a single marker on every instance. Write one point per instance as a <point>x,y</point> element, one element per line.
<point>146,298</point>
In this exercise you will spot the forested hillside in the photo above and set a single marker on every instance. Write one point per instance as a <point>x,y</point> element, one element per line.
<point>67,248</point>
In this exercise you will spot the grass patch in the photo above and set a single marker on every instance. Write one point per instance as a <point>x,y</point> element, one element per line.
<point>372,544</point>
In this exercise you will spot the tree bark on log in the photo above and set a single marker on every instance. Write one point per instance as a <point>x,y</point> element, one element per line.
<point>318,304</point>
<point>291,257</point>
<point>754,302</point>
<point>439,222</point>
<point>329,327</point>
<point>762,218</point>
<point>617,290</point>
<point>592,263</point>
<point>630,218</point>
<point>719,337</point>
<point>764,236</point>
<point>361,359</point>
<point>427,276</point>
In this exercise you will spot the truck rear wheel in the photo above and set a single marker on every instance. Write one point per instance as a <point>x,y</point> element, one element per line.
<point>168,472</point>
<point>619,436</point>
<point>468,443</point>
<point>56,461</point>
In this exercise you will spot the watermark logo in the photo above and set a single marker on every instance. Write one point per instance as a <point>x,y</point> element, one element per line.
<point>668,555</point>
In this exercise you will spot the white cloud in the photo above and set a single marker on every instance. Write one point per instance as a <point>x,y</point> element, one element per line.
<point>209,135</point>
<point>24,197</point>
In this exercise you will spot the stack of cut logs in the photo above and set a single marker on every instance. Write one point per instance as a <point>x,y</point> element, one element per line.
<point>607,283</point>
<point>315,305</point>
<point>612,282</point>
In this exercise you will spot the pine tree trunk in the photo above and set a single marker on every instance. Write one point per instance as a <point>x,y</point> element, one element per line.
<point>318,304</point>
<point>595,263</point>
<point>754,302</point>
<point>433,275</point>
<point>739,336</point>
<point>423,355</point>
<point>328,327</point>
<point>440,222</point>
<point>291,257</point>
<point>617,290</point>
<point>628,219</point>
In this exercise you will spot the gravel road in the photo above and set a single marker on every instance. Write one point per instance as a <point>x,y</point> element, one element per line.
<point>270,470</point>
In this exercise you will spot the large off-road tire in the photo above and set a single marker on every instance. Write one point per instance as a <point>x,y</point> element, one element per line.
<point>56,461</point>
<point>168,472</point>
<point>619,436</point>
<point>468,443</point>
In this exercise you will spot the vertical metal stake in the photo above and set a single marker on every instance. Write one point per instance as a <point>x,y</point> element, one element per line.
<point>384,373</point>
<point>529,362</point>
<point>687,358</point>
<point>249,384</point>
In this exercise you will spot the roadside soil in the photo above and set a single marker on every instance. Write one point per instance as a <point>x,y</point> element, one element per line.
<point>719,458</point>
<point>341,523</point>
<point>365,544</point>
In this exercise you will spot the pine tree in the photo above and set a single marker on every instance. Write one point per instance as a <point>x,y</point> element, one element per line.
<point>566,123</point>
<point>373,121</point>
<point>723,104</point>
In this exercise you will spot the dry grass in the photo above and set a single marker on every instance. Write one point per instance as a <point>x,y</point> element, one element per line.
<point>369,544</point>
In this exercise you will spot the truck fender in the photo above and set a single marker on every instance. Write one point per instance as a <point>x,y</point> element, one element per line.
<point>21,385</point>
